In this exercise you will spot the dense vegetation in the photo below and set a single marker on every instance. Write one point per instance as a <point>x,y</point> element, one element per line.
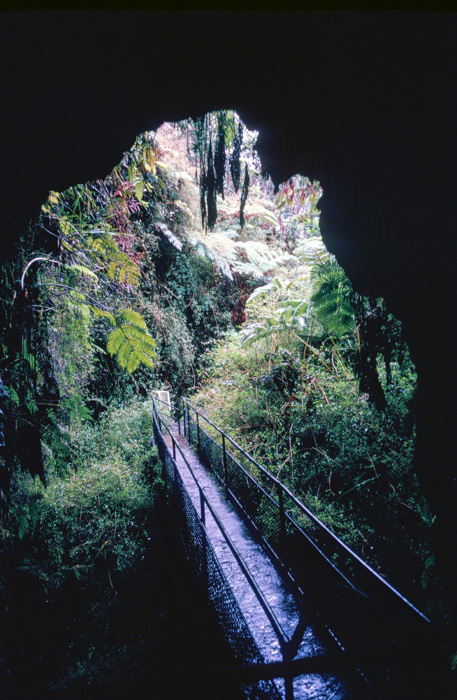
<point>288,390</point>
<point>184,270</point>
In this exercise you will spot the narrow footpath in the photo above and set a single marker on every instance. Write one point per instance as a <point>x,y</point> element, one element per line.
<point>291,616</point>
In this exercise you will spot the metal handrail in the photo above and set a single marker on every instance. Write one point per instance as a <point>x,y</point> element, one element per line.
<point>400,645</point>
<point>284,516</point>
<point>283,639</point>
<point>282,489</point>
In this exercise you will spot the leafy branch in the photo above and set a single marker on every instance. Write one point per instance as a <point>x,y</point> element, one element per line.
<point>130,342</point>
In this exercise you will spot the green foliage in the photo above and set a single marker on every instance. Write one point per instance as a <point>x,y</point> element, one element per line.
<point>332,298</point>
<point>133,284</point>
<point>77,410</point>
<point>118,265</point>
<point>130,342</point>
<point>91,519</point>
<point>290,396</point>
<point>70,343</point>
<point>283,312</point>
<point>261,259</point>
<point>186,314</point>
<point>207,252</point>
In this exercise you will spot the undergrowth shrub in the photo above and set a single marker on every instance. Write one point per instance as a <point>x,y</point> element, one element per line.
<point>91,517</point>
<point>349,462</point>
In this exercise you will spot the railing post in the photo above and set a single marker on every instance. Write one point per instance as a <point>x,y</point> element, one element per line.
<point>202,506</point>
<point>282,519</point>
<point>224,453</point>
<point>174,447</point>
<point>289,686</point>
<point>198,436</point>
<point>204,564</point>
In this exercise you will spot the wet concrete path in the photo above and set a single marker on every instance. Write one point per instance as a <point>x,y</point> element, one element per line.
<point>285,606</point>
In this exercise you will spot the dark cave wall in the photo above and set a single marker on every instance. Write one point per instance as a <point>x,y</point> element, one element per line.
<point>363,102</point>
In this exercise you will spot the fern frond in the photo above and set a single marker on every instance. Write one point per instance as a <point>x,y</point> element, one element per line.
<point>102,313</point>
<point>220,261</point>
<point>96,244</point>
<point>262,291</point>
<point>115,340</point>
<point>145,359</point>
<point>146,344</point>
<point>132,317</point>
<point>124,352</point>
<point>132,362</point>
<point>111,270</point>
<point>175,242</point>
<point>130,342</point>
<point>139,189</point>
<point>262,257</point>
<point>332,297</point>
<point>82,270</point>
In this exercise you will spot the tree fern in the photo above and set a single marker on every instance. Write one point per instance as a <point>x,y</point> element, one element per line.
<point>332,297</point>
<point>313,250</point>
<point>130,342</point>
<point>261,256</point>
<point>217,259</point>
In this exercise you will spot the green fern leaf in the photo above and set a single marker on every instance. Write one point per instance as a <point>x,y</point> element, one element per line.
<point>145,359</point>
<point>132,362</point>
<point>82,270</point>
<point>111,271</point>
<point>144,346</point>
<point>130,342</point>
<point>139,189</point>
<point>102,313</point>
<point>136,334</point>
<point>122,274</point>
<point>115,340</point>
<point>124,352</point>
<point>332,297</point>
<point>133,317</point>
<point>13,395</point>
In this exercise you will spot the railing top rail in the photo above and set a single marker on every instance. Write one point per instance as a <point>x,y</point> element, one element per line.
<point>337,541</point>
<point>234,443</point>
<point>170,405</point>
<point>156,398</point>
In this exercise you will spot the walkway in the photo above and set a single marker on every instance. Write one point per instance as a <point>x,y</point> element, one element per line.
<point>297,624</point>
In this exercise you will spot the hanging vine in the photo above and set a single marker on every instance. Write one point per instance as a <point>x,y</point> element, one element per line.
<point>213,135</point>
<point>244,195</point>
<point>210,189</point>
<point>220,157</point>
<point>235,164</point>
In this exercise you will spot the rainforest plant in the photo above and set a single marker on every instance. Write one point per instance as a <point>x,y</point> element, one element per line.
<point>298,394</point>
<point>92,515</point>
